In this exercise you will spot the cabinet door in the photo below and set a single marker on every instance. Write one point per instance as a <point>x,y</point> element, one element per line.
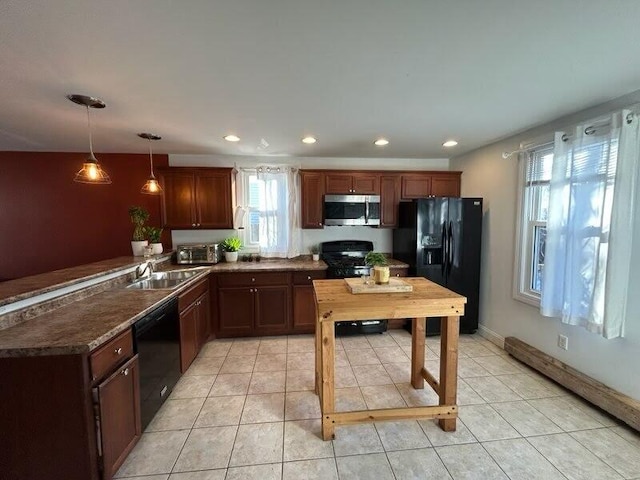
<point>338,183</point>
<point>178,199</point>
<point>235,311</point>
<point>445,185</point>
<point>119,415</point>
<point>188,336</point>
<point>304,309</point>
<point>312,192</point>
<point>203,329</point>
<point>366,184</point>
<point>389,200</point>
<point>271,310</point>
<point>213,200</point>
<point>415,186</point>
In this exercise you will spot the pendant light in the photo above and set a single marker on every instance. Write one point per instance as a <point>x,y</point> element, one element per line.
<point>91,172</point>
<point>151,186</point>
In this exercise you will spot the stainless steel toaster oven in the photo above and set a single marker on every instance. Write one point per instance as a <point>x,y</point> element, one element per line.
<point>201,253</point>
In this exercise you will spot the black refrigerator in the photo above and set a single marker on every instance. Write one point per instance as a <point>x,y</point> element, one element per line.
<point>440,239</point>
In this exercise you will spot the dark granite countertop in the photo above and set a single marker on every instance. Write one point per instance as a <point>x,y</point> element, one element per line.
<point>84,325</point>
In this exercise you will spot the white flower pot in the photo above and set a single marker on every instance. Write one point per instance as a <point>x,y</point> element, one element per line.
<point>231,256</point>
<point>138,247</point>
<point>316,257</point>
<point>157,248</point>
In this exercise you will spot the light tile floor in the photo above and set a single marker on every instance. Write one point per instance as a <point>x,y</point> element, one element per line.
<point>246,410</point>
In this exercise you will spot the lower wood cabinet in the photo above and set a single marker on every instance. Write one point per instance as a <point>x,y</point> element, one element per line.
<point>195,322</point>
<point>118,416</point>
<point>253,304</point>
<point>304,308</point>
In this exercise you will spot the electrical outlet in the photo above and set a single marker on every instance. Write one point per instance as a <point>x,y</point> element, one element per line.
<point>563,342</point>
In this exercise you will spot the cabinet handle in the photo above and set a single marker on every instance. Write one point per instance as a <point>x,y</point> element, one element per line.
<point>118,351</point>
<point>125,372</point>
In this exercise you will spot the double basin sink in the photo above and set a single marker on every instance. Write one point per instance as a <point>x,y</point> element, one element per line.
<point>165,280</point>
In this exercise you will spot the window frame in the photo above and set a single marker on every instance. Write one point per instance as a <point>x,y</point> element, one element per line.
<point>525,231</point>
<point>245,234</point>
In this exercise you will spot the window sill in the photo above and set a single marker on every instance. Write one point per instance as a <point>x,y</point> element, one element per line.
<point>527,298</point>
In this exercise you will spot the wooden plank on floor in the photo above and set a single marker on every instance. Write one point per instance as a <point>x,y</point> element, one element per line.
<point>611,401</point>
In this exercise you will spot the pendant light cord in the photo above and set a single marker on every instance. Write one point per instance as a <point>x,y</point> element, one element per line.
<point>151,159</point>
<point>90,138</point>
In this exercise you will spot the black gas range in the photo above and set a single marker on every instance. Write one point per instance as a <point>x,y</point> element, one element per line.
<point>345,259</point>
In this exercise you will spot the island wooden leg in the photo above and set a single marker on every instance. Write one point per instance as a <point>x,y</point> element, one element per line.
<point>417,351</point>
<point>327,396</point>
<point>449,368</point>
<point>318,345</point>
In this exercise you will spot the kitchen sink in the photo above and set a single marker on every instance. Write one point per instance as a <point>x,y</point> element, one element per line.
<point>165,280</point>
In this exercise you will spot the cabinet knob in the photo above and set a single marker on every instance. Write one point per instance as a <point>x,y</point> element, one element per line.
<point>397,274</point>
<point>308,277</point>
<point>253,279</point>
<point>319,224</point>
<point>193,224</point>
<point>125,372</point>
<point>118,351</point>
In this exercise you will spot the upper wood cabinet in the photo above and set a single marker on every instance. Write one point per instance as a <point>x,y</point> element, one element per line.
<point>197,197</point>
<point>430,184</point>
<point>312,201</point>
<point>353,182</point>
<point>389,199</point>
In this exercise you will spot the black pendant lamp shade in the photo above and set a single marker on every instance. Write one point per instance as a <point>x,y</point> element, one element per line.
<point>151,186</point>
<point>91,171</point>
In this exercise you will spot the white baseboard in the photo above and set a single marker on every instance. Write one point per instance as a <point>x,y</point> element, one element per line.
<point>492,336</point>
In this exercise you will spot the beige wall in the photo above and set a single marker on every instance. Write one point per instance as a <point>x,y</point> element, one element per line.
<point>486,174</point>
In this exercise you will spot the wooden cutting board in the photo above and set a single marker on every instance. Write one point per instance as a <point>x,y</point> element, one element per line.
<point>395,285</point>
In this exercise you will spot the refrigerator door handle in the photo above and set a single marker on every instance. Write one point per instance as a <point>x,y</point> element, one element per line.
<point>450,249</point>
<point>443,245</point>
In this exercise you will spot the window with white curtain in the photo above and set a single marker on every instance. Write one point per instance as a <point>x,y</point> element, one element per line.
<point>270,198</point>
<point>576,223</point>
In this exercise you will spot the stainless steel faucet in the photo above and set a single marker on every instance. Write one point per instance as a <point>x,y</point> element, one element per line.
<point>143,268</point>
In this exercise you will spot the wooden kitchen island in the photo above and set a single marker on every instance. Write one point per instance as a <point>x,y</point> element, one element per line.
<point>334,302</point>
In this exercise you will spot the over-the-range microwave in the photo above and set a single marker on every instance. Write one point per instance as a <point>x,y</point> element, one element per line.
<point>352,210</point>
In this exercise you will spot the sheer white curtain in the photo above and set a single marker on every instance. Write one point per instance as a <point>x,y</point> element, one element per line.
<point>590,223</point>
<point>280,234</point>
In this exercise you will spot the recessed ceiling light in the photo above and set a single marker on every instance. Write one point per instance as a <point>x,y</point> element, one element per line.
<point>381,142</point>
<point>450,143</point>
<point>309,140</point>
<point>231,138</point>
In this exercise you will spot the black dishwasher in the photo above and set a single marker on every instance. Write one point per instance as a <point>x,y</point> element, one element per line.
<point>157,343</point>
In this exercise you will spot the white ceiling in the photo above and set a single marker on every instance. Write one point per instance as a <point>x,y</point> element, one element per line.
<point>415,71</point>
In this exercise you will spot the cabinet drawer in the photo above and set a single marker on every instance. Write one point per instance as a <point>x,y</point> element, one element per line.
<point>110,355</point>
<point>246,279</point>
<point>398,272</point>
<point>307,278</point>
<point>187,298</point>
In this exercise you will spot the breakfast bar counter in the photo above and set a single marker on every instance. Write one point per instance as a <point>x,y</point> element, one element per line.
<point>335,302</point>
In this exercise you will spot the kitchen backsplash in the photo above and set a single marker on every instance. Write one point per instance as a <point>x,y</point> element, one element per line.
<point>381,237</point>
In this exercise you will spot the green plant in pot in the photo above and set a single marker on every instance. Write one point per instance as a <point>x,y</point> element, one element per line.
<point>315,252</point>
<point>154,234</point>
<point>138,216</point>
<point>380,270</point>
<point>230,246</point>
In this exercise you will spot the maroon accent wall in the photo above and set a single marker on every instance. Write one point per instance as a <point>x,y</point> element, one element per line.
<point>48,221</point>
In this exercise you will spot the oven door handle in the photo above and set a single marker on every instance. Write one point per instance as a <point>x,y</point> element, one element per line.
<point>366,211</point>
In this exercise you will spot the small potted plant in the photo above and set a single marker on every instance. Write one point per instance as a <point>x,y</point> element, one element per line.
<point>231,246</point>
<point>154,234</point>
<point>380,266</point>
<point>315,252</point>
<point>138,217</point>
